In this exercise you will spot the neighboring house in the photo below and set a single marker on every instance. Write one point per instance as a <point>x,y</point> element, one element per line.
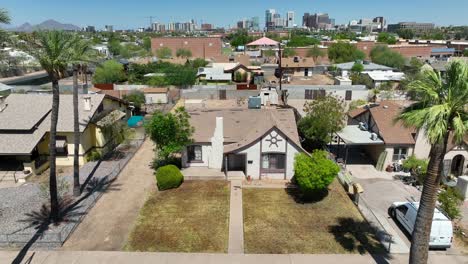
<point>225,72</point>
<point>380,77</point>
<point>257,143</point>
<point>25,126</point>
<point>373,130</point>
<point>344,69</point>
<point>155,95</point>
<point>298,66</point>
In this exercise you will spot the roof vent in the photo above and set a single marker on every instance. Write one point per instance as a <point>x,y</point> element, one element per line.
<point>87,103</point>
<point>385,106</point>
<point>374,136</point>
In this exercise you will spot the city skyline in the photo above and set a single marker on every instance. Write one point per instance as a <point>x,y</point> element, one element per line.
<point>123,15</point>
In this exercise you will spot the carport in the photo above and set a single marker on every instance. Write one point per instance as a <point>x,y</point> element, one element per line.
<point>353,136</point>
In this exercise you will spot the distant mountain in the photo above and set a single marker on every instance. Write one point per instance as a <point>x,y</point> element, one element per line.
<point>46,25</point>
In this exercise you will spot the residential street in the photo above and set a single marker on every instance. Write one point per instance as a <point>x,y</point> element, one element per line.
<point>109,222</point>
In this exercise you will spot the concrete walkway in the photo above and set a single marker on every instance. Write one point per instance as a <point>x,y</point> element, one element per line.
<point>236,219</point>
<point>108,223</point>
<point>95,257</point>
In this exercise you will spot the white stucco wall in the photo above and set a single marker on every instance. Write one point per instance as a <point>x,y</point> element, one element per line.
<point>292,152</point>
<point>253,155</point>
<point>269,140</point>
<point>156,98</point>
<point>458,151</point>
<point>422,146</point>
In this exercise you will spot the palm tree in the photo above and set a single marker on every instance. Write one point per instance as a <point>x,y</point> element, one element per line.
<point>80,51</point>
<point>441,110</point>
<point>53,50</point>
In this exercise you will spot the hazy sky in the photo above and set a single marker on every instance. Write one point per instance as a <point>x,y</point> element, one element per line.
<point>133,14</point>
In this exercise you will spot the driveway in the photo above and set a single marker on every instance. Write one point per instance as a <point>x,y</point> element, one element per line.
<point>108,223</point>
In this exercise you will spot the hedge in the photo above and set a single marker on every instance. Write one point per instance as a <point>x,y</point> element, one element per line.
<point>168,177</point>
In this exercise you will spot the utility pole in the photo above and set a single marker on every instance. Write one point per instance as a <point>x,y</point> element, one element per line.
<point>280,68</point>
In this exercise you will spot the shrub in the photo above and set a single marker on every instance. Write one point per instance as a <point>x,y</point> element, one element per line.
<point>313,174</point>
<point>169,177</point>
<point>94,155</point>
<point>417,167</point>
<point>450,200</point>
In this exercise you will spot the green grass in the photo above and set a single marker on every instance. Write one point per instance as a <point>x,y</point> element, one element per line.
<point>226,51</point>
<point>275,223</point>
<point>192,218</point>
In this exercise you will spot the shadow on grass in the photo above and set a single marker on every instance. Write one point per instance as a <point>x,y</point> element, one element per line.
<point>68,212</point>
<point>300,197</point>
<point>359,236</point>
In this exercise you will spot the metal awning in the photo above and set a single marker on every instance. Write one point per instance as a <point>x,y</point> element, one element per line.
<point>353,135</point>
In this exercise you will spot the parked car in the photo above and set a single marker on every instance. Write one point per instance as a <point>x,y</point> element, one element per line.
<point>442,228</point>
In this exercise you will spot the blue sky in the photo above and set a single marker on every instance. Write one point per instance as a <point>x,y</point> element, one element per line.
<point>132,14</point>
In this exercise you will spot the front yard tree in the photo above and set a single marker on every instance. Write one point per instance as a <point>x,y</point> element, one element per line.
<point>135,97</point>
<point>54,51</point>
<point>441,110</point>
<point>170,132</point>
<point>164,53</point>
<point>183,53</point>
<point>315,52</point>
<point>324,117</point>
<point>314,173</point>
<point>384,55</point>
<point>110,71</point>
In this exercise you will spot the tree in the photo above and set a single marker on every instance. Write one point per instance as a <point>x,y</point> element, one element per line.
<point>136,97</point>
<point>405,33</point>
<point>114,47</point>
<point>357,67</point>
<point>170,132</point>
<point>315,52</point>
<point>147,43</point>
<point>54,51</point>
<point>110,71</point>
<point>4,19</point>
<point>465,53</point>
<point>450,201</point>
<point>324,116</point>
<point>164,53</point>
<point>441,111</point>
<point>341,52</point>
<point>184,53</point>
<point>314,173</point>
<point>268,53</point>
<point>381,54</point>
<point>302,41</point>
<point>239,38</point>
<point>288,52</point>
<point>198,62</point>
<point>388,38</point>
<point>80,52</point>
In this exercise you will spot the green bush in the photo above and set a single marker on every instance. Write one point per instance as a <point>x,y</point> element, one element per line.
<point>417,167</point>
<point>450,201</point>
<point>314,173</point>
<point>169,177</point>
<point>94,155</point>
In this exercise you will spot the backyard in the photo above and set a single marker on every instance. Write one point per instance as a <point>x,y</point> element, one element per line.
<point>192,218</point>
<point>277,222</point>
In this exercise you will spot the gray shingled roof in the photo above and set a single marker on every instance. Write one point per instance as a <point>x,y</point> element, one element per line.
<point>26,119</point>
<point>243,126</point>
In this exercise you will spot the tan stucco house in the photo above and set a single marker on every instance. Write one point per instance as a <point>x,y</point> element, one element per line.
<point>25,125</point>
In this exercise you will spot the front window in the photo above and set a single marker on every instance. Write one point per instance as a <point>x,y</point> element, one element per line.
<point>273,162</point>
<point>400,154</point>
<point>195,153</point>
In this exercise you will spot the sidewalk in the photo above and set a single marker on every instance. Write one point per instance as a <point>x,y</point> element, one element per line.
<point>94,257</point>
<point>236,221</point>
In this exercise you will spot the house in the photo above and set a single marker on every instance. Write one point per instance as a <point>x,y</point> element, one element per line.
<point>226,72</point>
<point>155,95</point>
<point>380,77</point>
<point>297,66</point>
<point>257,143</point>
<point>344,69</point>
<point>25,126</point>
<point>373,130</point>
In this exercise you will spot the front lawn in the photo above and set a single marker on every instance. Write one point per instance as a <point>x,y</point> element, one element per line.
<point>275,223</point>
<point>192,218</point>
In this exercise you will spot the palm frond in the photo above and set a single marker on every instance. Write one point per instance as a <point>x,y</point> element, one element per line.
<point>4,16</point>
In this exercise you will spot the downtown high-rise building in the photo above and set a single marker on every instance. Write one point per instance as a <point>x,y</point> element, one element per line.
<point>269,18</point>
<point>317,21</point>
<point>290,19</point>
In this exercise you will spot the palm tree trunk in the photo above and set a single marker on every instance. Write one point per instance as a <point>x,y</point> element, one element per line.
<point>422,227</point>
<point>76,136</point>
<point>54,204</point>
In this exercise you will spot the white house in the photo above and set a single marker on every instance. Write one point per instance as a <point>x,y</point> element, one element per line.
<point>155,95</point>
<point>259,143</point>
<point>345,68</point>
<point>380,77</point>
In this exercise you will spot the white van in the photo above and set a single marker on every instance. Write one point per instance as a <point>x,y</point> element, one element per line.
<point>441,230</point>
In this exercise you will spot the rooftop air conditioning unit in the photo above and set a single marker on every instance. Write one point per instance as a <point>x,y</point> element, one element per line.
<point>363,126</point>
